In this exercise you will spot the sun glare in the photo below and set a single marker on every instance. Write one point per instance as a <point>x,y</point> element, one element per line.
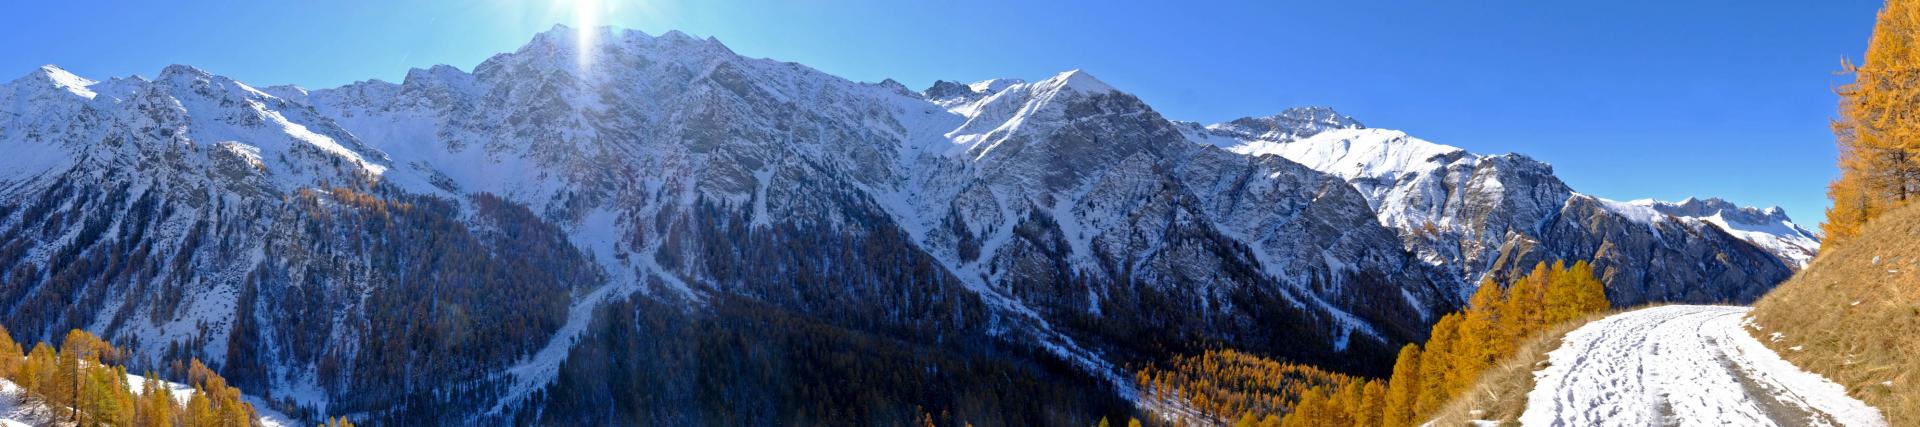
<point>586,27</point>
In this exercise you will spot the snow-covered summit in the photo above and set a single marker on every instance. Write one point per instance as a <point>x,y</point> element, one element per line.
<point>991,86</point>
<point>1005,116</point>
<point>1353,153</point>
<point>1480,215</point>
<point>948,93</point>
<point>55,77</point>
<point>1290,124</point>
<point>1769,228</point>
<point>964,168</point>
<point>1079,80</point>
<point>54,119</point>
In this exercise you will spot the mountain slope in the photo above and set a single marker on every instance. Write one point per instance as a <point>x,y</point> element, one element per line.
<point>454,247</point>
<point>1492,216</point>
<point>480,247</point>
<point>1850,315</point>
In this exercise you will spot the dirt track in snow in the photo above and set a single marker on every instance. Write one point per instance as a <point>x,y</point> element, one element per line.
<point>1682,366</point>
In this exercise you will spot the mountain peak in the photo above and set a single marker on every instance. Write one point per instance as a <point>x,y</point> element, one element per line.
<point>676,35</point>
<point>1290,124</point>
<point>53,77</point>
<point>288,92</point>
<point>441,72</point>
<point>1079,80</point>
<point>182,71</point>
<point>943,89</point>
<point>991,86</point>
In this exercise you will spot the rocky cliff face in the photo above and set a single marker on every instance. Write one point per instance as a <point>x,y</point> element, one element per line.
<point>439,249</point>
<point>1769,228</point>
<point>1479,216</point>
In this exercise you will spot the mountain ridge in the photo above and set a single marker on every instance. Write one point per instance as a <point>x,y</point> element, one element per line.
<point>1486,216</point>
<point>1062,215</point>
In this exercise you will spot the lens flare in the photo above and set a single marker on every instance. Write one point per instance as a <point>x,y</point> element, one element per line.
<point>586,27</point>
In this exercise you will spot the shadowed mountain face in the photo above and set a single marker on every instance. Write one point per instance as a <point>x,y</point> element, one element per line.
<point>491,247</point>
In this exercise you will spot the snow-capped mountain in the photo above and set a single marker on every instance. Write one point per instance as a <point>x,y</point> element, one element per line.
<point>470,247</point>
<point>1480,216</point>
<point>290,237</point>
<point>1769,228</point>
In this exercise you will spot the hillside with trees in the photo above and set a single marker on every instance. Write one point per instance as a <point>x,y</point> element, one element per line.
<point>1853,316</point>
<point>82,382</point>
<point>1241,389</point>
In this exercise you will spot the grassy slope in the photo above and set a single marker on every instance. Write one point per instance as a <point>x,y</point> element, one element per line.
<point>1854,316</point>
<point>1501,392</point>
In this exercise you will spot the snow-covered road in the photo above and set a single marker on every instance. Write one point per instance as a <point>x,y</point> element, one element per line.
<point>1682,366</point>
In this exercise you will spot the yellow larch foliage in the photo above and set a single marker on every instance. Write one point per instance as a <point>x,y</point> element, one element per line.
<point>1436,365</point>
<point>1237,388</point>
<point>1403,388</point>
<point>1878,128</point>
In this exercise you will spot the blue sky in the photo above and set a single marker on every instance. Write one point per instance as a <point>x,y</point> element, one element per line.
<point>1628,99</point>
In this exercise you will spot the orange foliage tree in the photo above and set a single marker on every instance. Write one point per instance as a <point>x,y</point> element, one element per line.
<point>1243,389</point>
<point>1878,128</point>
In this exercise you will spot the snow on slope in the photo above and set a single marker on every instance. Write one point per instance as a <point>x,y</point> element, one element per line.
<point>1682,365</point>
<point>1373,160</point>
<point>1469,201</point>
<point>1770,229</point>
<point>1355,153</point>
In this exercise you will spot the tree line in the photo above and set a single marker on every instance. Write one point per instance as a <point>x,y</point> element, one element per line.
<point>1252,391</point>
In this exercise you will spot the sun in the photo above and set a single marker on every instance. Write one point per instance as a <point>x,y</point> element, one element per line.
<point>586,14</point>
<point>586,28</point>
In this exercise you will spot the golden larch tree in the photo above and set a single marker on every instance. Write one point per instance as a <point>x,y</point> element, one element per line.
<point>1403,388</point>
<point>1878,126</point>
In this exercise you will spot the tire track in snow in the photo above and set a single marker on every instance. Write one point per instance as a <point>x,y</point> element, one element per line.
<point>1682,366</point>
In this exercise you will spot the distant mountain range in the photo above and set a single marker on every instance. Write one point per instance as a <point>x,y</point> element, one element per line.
<point>504,245</point>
